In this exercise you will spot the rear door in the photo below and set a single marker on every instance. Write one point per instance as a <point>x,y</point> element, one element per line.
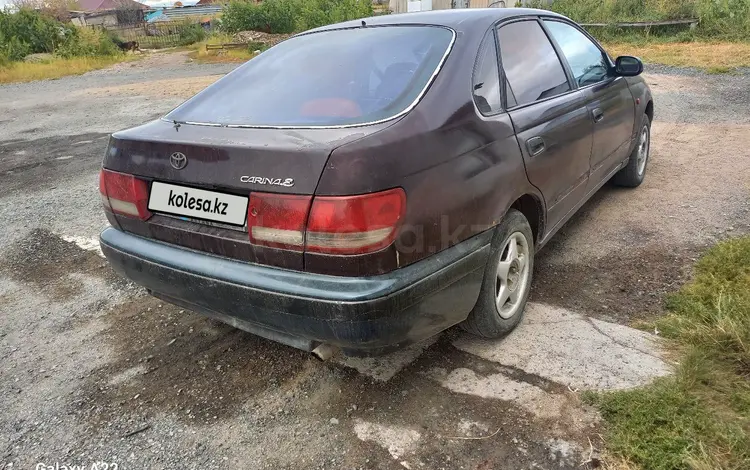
<point>551,119</point>
<point>607,96</point>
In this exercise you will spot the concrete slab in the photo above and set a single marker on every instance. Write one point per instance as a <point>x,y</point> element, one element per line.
<point>498,386</point>
<point>574,350</point>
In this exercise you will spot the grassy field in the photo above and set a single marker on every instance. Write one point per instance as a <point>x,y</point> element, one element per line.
<point>56,68</point>
<point>700,417</point>
<point>713,57</point>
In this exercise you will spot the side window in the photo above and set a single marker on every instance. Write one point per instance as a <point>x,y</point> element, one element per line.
<point>531,65</point>
<point>486,78</point>
<point>587,62</point>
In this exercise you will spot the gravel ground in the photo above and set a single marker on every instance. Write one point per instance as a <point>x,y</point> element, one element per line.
<point>94,370</point>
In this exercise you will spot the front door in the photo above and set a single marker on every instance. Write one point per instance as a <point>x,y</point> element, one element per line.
<point>551,120</point>
<point>607,97</point>
<point>613,111</point>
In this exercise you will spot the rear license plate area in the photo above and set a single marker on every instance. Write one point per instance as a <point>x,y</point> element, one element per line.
<point>194,204</point>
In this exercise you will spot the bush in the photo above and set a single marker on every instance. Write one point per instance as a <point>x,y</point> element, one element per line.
<point>30,32</point>
<point>190,33</point>
<point>87,42</point>
<point>289,16</point>
<point>271,16</point>
<point>316,13</point>
<point>27,32</point>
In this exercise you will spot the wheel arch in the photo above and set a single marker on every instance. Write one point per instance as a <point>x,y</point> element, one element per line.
<point>532,207</point>
<point>650,110</point>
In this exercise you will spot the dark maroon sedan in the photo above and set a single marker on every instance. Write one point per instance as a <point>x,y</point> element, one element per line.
<point>368,184</point>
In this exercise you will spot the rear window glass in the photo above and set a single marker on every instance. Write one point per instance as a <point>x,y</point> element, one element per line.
<point>330,78</point>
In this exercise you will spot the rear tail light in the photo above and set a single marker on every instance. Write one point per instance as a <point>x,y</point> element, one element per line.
<point>124,194</point>
<point>326,224</point>
<point>278,220</point>
<point>354,224</point>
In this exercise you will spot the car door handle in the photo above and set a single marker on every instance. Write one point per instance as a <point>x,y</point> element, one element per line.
<point>535,145</point>
<point>597,114</point>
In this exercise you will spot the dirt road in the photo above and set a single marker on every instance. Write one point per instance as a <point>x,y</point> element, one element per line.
<point>93,370</point>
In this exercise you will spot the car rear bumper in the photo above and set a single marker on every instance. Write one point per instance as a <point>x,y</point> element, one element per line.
<point>358,314</point>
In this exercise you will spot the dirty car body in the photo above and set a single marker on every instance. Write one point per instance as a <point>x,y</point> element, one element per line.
<point>352,186</point>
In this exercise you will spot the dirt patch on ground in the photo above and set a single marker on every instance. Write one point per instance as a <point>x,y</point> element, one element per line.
<point>624,286</point>
<point>47,163</point>
<point>46,261</point>
<point>150,60</point>
<point>176,87</point>
<point>199,369</point>
<point>205,374</point>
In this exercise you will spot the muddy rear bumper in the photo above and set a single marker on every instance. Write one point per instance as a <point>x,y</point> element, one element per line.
<point>364,314</point>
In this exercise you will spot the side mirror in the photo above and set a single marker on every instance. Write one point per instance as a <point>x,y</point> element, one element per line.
<point>628,66</point>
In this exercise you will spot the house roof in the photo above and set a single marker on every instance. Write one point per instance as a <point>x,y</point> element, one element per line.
<point>96,5</point>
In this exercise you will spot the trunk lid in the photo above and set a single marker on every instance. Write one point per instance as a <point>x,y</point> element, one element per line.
<point>231,161</point>
<point>219,157</point>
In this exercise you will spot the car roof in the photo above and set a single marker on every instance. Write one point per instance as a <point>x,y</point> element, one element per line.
<point>462,20</point>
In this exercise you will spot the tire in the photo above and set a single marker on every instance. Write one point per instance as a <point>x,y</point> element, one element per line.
<point>486,320</point>
<point>634,172</point>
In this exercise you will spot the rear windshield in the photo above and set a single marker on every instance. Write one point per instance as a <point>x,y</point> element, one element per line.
<point>329,78</point>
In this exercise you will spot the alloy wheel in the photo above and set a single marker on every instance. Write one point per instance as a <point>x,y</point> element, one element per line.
<point>513,275</point>
<point>643,147</point>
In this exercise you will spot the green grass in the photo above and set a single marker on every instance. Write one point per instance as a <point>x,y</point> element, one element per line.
<point>700,417</point>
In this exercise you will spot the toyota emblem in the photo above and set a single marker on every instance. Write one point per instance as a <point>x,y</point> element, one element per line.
<point>178,160</point>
